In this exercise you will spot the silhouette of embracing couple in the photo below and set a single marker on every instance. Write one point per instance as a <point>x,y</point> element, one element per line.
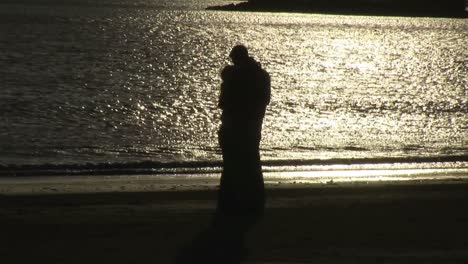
<point>245,94</point>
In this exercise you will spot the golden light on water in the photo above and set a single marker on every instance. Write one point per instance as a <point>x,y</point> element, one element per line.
<point>337,176</point>
<point>343,87</point>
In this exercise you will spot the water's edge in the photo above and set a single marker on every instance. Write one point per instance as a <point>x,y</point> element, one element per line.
<point>207,167</point>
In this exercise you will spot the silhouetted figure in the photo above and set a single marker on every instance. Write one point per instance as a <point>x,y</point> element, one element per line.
<point>245,94</point>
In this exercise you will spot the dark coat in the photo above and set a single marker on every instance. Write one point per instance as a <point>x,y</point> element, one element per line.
<point>245,94</point>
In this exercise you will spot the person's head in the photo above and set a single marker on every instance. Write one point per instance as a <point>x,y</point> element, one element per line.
<point>226,72</point>
<point>238,54</point>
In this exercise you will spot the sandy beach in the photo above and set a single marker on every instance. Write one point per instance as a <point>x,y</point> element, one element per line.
<point>404,222</point>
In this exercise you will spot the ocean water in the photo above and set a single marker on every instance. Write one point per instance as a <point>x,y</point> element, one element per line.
<point>87,83</point>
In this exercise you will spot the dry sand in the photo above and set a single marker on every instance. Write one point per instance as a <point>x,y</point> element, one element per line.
<point>379,223</point>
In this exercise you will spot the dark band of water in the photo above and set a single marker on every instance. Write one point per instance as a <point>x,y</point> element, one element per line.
<point>200,167</point>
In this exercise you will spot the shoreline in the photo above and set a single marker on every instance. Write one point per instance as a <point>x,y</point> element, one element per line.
<point>281,191</point>
<point>215,166</point>
<point>309,179</point>
<point>333,10</point>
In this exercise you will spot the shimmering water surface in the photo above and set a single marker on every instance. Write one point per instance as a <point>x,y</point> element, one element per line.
<point>128,81</point>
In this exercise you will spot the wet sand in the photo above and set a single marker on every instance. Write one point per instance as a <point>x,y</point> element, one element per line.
<point>346,223</point>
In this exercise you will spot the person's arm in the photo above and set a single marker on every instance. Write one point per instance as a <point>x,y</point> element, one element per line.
<point>222,96</point>
<point>268,88</point>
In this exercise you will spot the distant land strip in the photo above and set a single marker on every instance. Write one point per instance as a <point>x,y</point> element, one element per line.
<point>410,8</point>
